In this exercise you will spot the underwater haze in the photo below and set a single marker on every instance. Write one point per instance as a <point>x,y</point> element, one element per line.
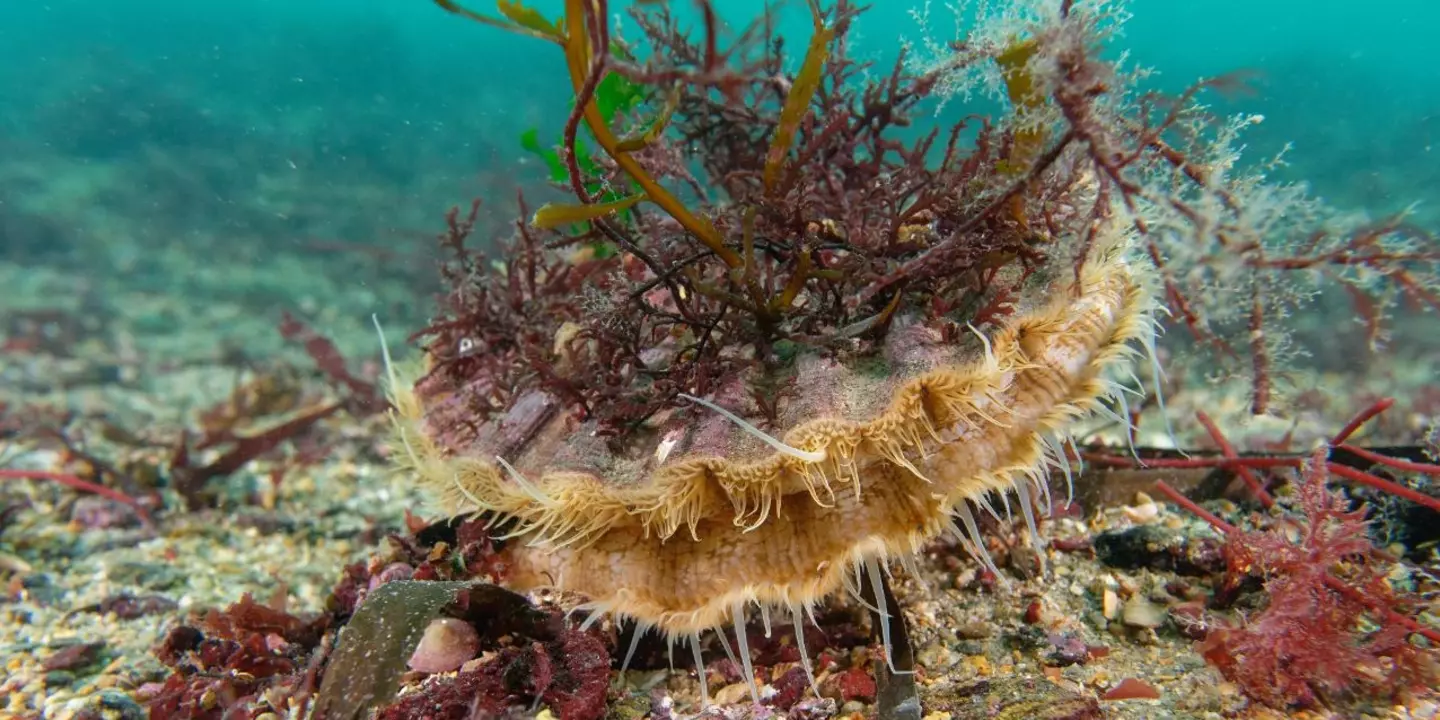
<point>1003,267</point>
<point>216,163</point>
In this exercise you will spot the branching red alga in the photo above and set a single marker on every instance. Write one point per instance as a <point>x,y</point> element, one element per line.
<point>1334,623</point>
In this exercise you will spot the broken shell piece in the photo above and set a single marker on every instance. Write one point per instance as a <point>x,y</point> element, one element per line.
<point>445,646</point>
<point>1109,604</point>
<point>1142,514</point>
<point>1140,612</point>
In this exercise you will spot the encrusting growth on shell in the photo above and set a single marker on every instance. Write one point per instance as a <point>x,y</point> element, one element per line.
<point>690,547</point>
<point>844,343</point>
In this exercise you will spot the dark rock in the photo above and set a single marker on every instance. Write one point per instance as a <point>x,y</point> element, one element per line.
<point>121,704</point>
<point>1189,618</point>
<point>129,607</point>
<point>42,590</point>
<point>1159,548</point>
<point>95,513</point>
<point>72,656</point>
<point>975,630</point>
<point>1028,638</point>
<point>180,640</point>
<point>812,709</point>
<point>446,531</point>
<point>59,678</point>
<point>1066,649</point>
<point>970,647</point>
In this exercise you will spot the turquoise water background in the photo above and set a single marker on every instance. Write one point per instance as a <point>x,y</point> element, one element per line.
<point>227,148</point>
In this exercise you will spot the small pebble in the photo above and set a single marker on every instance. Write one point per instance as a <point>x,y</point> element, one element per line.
<point>1142,514</point>
<point>59,678</point>
<point>95,513</point>
<point>974,630</point>
<point>935,656</point>
<point>732,694</point>
<point>1033,612</point>
<point>12,564</point>
<point>1066,649</point>
<point>121,704</point>
<point>1140,612</point>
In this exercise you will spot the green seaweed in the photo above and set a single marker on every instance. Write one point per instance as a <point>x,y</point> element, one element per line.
<point>797,101</point>
<point>519,19</point>
<point>530,142</point>
<point>1025,94</point>
<point>615,95</point>
<point>529,18</point>
<point>553,215</point>
<point>650,132</point>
